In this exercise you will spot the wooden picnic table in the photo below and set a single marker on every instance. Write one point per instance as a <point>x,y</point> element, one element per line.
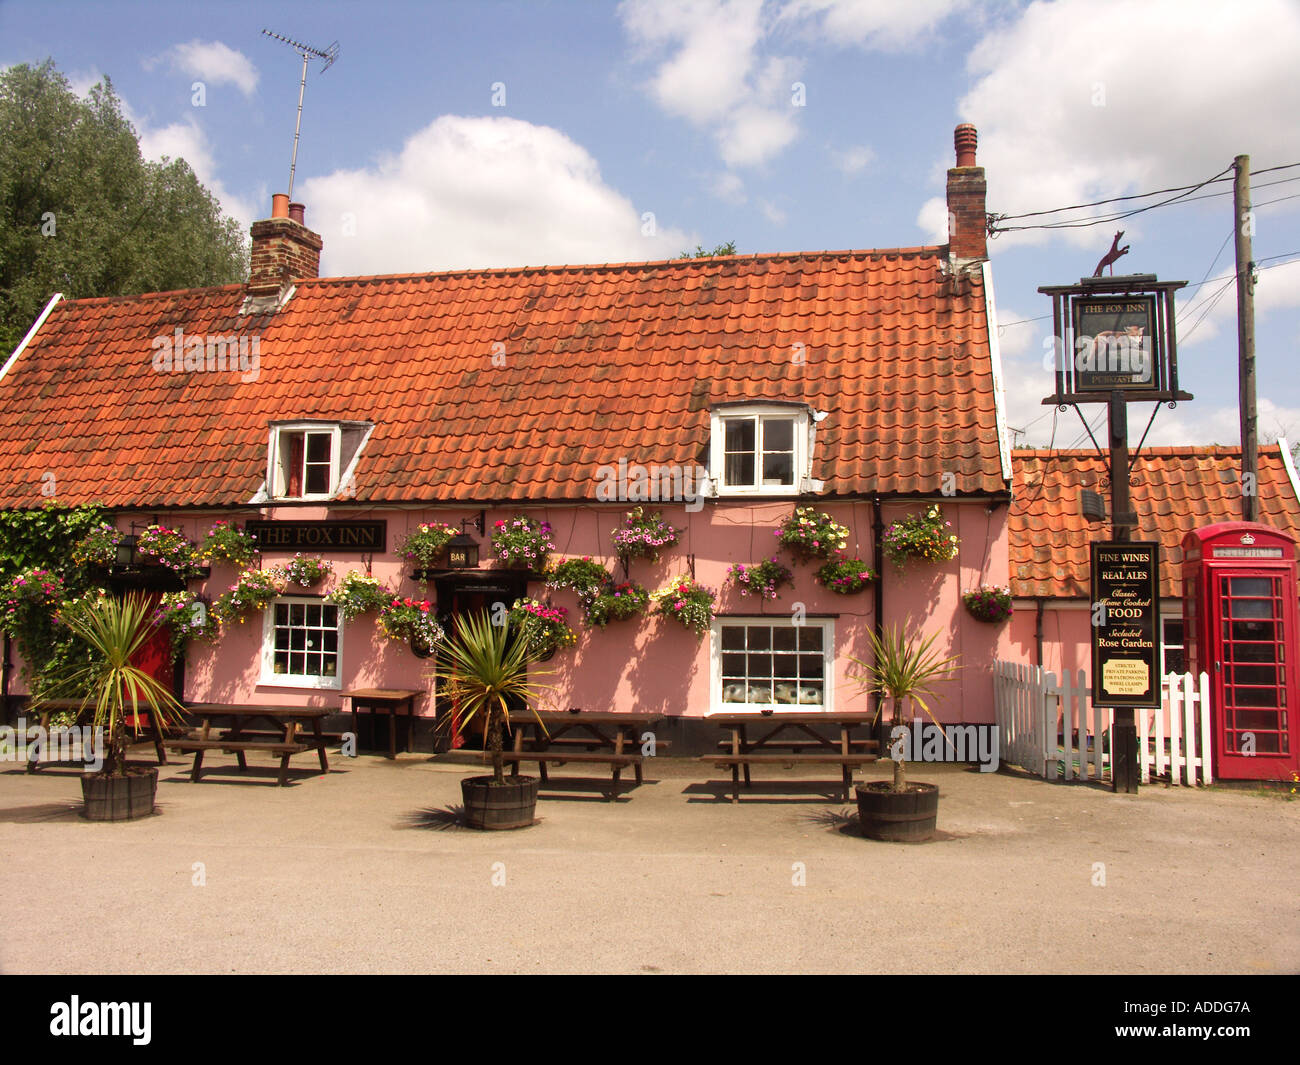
<point>52,706</point>
<point>284,738</point>
<point>591,736</point>
<point>388,701</point>
<point>788,738</point>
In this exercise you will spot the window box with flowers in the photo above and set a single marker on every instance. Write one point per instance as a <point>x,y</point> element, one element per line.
<point>255,589</point>
<point>925,536</point>
<point>763,579</point>
<point>357,594</point>
<point>427,545</point>
<point>412,621</point>
<point>544,628</point>
<point>687,602</point>
<point>306,571</point>
<point>990,604</point>
<point>810,534</point>
<point>523,542</point>
<point>843,575</point>
<point>643,535</point>
<point>227,542</point>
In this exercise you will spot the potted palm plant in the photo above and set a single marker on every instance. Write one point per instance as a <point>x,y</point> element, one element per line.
<point>902,670</point>
<point>113,631</point>
<point>484,668</point>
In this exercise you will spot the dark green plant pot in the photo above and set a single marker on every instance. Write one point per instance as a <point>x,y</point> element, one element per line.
<point>492,806</point>
<point>897,817</point>
<point>120,798</point>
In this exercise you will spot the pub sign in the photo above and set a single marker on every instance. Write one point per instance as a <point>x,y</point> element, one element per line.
<point>1115,343</point>
<point>363,537</point>
<point>1126,624</point>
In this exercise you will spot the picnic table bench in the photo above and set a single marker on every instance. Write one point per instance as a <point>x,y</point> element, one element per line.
<point>812,730</point>
<point>284,740</point>
<point>155,732</point>
<point>610,739</point>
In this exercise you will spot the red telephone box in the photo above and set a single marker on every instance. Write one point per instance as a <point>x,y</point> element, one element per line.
<point>1240,624</point>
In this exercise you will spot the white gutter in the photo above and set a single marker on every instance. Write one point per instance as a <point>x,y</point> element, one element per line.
<point>995,358</point>
<point>30,334</point>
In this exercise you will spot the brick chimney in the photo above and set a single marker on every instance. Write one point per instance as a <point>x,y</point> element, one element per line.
<point>284,249</point>
<point>966,187</point>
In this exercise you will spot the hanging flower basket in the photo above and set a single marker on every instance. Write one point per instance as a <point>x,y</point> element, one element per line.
<point>305,571</point>
<point>990,604</point>
<point>98,548</point>
<point>925,536</point>
<point>545,628</point>
<point>809,534</point>
<point>643,535</point>
<point>617,602</point>
<point>186,617</point>
<point>585,576</point>
<point>358,594</point>
<point>763,579</point>
<point>167,547</point>
<point>426,546</point>
<point>523,542</point>
<point>687,602</point>
<point>411,621</point>
<point>227,542</point>
<point>255,590</point>
<point>844,576</point>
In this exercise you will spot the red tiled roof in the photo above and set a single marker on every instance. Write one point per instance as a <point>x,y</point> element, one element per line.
<point>1174,490</point>
<point>601,362</point>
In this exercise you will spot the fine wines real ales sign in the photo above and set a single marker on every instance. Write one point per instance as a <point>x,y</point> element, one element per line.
<point>1126,624</point>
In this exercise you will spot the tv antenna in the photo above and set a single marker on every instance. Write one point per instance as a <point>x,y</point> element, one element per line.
<point>306,51</point>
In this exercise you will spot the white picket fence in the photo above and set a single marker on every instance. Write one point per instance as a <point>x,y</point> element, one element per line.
<point>1053,730</point>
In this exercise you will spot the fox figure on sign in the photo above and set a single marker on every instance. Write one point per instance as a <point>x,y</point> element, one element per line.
<point>1109,258</point>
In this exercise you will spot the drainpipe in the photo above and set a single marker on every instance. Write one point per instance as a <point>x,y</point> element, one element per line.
<point>878,606</point>
<point>1038,631</point>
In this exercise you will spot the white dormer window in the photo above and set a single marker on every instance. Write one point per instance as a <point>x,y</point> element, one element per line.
<point>760,449</point>
<point>305,461</point>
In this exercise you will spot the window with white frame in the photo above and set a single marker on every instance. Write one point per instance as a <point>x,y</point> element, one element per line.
<point>759,448</point>
<point>771,663</point>
<point>305,461</point>
<point>1173,651</point>
<point>302,644</point>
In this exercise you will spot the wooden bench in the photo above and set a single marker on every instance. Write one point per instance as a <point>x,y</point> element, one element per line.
<point>238,748</point>
<point>616,762</point>
<point>846,762</point>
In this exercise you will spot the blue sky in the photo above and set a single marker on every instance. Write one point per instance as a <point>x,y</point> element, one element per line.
<point>494,134</point>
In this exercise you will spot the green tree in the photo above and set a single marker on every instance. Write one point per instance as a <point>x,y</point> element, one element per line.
<point>83,214</point>
<point>701,253</point>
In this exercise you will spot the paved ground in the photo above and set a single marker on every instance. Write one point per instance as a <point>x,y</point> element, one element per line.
<point>367,871</point>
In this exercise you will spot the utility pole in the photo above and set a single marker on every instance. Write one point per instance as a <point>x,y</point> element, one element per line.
<point>1244,221</point>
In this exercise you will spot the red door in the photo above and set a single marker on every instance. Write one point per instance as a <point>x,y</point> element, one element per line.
<point>154,657</point>
<point>1253,683</point>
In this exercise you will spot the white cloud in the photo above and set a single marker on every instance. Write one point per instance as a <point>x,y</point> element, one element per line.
<point>871,23</point>
<point>854,159</point>
<point>729,187</point>
<point>1214,306</point>
<point>772,212</point>
<point>1080,100</point>
<point>479,192</point>
<point>211,62</point>
<point>712,74</point>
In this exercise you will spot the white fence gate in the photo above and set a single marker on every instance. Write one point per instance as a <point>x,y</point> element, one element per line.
<point>1054,731</point>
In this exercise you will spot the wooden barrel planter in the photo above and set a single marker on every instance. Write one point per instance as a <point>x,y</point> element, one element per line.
<point>898,817</point>
<point>492,806</point>
<point>119,798</point>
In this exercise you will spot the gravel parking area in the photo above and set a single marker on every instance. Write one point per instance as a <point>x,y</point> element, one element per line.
<point>368,871</point>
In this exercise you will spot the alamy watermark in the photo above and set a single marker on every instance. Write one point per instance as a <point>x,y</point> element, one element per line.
<point>179,353</point>
<point>75,744</point>
<point>632,482</point>
<point>951,743</point>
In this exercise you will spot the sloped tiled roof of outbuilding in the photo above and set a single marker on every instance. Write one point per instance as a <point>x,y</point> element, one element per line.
<point>1174,490</point>
<point>595,363</point>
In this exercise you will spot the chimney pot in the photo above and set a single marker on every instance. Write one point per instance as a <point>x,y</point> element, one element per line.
<point>296,213</point>
<point>280,205</point>
<point>284,249</point>
<point>965,139</point>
